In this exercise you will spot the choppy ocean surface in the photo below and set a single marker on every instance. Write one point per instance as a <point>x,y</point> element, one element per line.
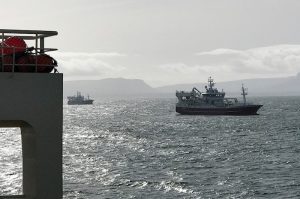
<point>140,148</point>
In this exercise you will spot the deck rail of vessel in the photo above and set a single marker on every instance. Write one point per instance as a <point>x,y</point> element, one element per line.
<point>34,35</point>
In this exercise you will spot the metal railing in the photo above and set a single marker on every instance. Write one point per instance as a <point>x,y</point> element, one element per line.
<point>37,35</point>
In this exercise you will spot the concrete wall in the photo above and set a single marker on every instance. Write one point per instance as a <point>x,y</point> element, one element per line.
<point>33,102</point>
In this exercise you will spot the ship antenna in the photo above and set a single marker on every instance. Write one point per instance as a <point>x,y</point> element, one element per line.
<point>244,93</point>
<point>211,82</point>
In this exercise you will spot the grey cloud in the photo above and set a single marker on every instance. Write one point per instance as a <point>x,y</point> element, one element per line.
<point>85,65</point>
<point>280,59</point>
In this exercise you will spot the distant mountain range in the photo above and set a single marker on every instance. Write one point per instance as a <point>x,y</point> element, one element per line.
<point>108,87</point>
<point>286,86</point>
<point>261,86</point>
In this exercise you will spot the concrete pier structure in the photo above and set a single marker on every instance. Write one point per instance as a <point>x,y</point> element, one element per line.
<point>33,102</point>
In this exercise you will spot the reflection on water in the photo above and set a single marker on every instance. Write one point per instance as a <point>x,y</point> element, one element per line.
<point>140,148</point>
<point>10,161</point>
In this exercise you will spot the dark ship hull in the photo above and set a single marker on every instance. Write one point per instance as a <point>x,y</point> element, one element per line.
<point>235,110</point>
<point>80,102</point>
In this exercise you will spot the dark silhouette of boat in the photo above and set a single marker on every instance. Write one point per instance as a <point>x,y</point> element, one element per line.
<point>213,102</point>
<point>79,99</point>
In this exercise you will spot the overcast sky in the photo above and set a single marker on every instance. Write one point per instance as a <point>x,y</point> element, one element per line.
<point>166,41</point>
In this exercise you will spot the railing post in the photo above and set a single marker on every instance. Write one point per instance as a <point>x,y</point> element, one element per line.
<point>2,57</point>
<point>14,57</point>
<point>42,45</point>
<point>36,46</point>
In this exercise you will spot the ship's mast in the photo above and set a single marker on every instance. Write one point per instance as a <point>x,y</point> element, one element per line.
<point>211,83</point>
<point>244,93</point>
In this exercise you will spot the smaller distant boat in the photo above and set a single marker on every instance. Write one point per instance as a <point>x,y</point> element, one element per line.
<point>79,99</point>
<point>213,102</point>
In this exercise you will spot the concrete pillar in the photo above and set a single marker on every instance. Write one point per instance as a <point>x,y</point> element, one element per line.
<point>33,102</point>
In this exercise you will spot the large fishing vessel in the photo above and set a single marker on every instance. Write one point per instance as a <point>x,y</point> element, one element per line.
<point>79,99</point>
<point>213,102</point>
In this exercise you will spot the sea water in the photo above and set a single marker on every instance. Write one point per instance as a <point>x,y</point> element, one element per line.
<point>141,148</point>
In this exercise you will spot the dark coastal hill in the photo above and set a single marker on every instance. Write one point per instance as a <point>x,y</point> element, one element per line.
<point>134,87</point>
<point>108,87</point>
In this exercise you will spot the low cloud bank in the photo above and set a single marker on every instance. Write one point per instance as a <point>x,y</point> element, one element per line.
<point>87,65</point>
<point>222,64</point>
<point>271,60</point>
